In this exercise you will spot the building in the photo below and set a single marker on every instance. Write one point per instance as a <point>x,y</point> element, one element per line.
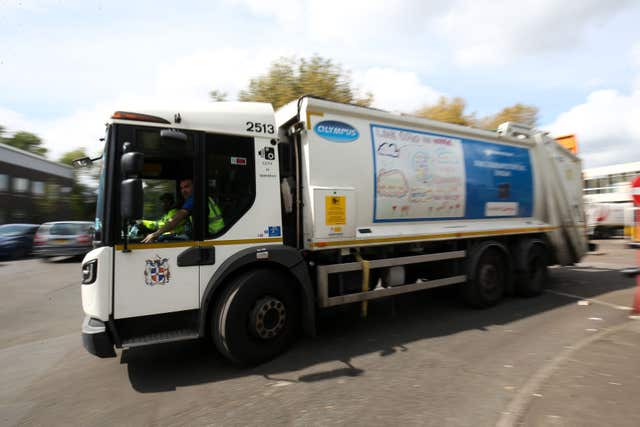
<point>610,184</point>
<point>32,188</point>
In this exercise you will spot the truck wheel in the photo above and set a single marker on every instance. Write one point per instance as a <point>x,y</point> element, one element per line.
<point>488,281</point>
<point>532,271</point>
<point>256,318</point>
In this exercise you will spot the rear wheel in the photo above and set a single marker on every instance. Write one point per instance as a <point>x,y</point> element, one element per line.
<point>488,279</point>
<point>256,318</point>
<point>532,268</point>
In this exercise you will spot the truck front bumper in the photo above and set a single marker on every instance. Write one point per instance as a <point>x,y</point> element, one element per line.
<point>96,339</point>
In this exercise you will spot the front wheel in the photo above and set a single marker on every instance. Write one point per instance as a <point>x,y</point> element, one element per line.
<point>256,318</point>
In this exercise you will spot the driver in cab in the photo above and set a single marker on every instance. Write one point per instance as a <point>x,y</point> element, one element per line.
<point>215,221</point>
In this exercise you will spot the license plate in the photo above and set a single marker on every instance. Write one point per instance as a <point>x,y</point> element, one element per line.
<point>59,241</point>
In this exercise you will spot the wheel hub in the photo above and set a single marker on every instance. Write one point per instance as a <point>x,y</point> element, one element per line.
<point>268,317</point>
<point>488,276</point>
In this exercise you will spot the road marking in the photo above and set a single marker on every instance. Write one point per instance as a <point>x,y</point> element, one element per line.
<point>591,300</point>
<point>520,402</point>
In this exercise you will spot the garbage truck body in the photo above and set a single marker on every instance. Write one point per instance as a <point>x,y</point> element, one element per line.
<point>323,204</point>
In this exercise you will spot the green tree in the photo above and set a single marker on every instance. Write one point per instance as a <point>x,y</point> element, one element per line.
<point>448,110</point>
<point>291,78</point>
<point>520,113</point>
<point>453,111</point>
<point>26,141</point>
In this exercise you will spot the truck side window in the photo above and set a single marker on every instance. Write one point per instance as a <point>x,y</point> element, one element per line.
<point>230,181</point>
<point>166,163</point>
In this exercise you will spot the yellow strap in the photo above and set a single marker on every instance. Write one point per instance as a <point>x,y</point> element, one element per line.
<point>365,283</point>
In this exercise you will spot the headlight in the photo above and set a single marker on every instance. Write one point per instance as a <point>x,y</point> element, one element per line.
<point>89,272</point>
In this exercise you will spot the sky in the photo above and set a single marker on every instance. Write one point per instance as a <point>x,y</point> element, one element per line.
<point>65,66</point>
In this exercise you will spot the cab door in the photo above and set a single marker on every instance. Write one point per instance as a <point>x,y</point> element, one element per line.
<point>159,277</point>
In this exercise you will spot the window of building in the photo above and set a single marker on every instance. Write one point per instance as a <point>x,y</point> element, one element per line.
<point>37,188</point>
<point>19,215</point>
<point>20,185</point>
<point>53,189</point>
<point>629,176</point>
<point>4,182</point>
<point>618,178</point>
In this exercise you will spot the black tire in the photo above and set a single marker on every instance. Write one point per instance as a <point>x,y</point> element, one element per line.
<point>532,268</point>
<point>488,279</point>
<point>256,318</point>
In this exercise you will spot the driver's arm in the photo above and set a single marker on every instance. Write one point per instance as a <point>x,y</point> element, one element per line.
<point>170,225</point>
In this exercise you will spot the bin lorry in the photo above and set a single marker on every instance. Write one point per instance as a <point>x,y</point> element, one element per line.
<point>605,220</point>
<point>324,204</point>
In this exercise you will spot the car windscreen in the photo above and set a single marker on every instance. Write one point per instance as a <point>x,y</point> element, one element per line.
<point>64,229</point>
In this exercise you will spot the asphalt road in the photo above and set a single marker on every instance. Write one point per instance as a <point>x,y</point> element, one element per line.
<point>422,359</point>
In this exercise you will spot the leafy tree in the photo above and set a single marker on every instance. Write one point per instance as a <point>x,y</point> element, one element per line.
<point>291,78</point>
<point>453,111</point>
<point>26,141</point>
<point>448,110</point>
<point>520,113</point>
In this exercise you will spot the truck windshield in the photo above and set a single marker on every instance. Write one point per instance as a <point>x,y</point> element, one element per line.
<point>101,191</point>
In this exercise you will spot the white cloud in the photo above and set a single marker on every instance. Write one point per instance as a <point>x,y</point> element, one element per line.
<point>186,80</point>
<point>286,12</point>
<point>606,125</point>
<point>476,32</point>
<point>349,22</point>
<point>396,90</point>
<point>13,121</point>
<point>635,55</point>
<point>192,77</point>
<point>82,129</point>
<point>494,32</point>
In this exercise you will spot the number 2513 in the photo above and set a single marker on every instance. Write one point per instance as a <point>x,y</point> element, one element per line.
<point>259,127</point>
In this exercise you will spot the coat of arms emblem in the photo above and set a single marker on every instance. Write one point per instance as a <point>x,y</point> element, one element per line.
<point>156,271</point>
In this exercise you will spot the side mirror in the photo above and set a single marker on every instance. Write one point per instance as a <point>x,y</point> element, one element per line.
<point>131,164</point>
<point>131,199</point>
<point>83,162</point>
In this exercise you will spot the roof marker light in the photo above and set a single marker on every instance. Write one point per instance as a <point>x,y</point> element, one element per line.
<point>124,115</point>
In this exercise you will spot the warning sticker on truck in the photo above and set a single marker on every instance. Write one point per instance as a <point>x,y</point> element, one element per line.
<point>335,210</point>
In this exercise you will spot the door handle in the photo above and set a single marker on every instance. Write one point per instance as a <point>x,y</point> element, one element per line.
<point>197,255</point>
<point>207,255</point>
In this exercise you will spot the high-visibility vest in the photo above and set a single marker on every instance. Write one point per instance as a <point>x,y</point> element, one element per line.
<point>215,220</point>
<point>160,222</point>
